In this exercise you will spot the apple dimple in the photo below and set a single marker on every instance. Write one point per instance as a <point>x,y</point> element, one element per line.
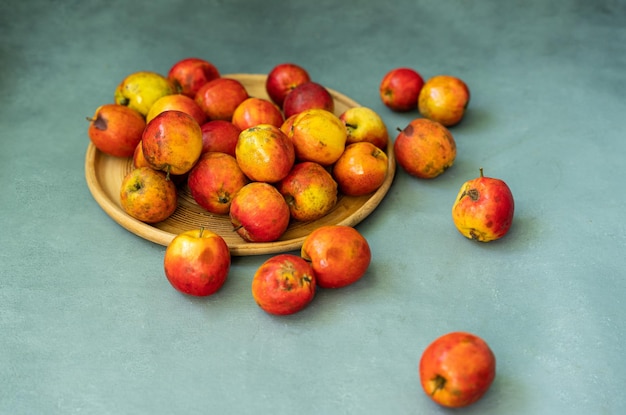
<point>438,383</point>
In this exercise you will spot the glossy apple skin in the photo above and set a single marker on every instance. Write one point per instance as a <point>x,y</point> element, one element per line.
<point>190,74</point>
<point>259,213</point>
<point>214,181</point>
<point>220,97</point>
<point>319,136</point>
<point>339,255</point>
<point>457,369</point>
<point>307,96</point>
<point>361,169</point>
<point>282,79</point>
<point>197,262</point>
<point>148,195</point>
<point>220,136</point>
<point>310,191</point>
<point>177,102</point>
<point>255,111</point>
<point>483,209</point>
<point>116,129</point>
<point>444,99</point>
<point>284,284</point>
<point>400,89</point>
<point>364,124</point>
<point>265,153</point>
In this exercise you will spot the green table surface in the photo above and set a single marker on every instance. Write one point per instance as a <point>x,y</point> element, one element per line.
<point>90,325</point>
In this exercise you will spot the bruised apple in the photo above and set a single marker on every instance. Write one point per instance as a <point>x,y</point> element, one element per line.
<point>140,90</point>
<point>177,102</point>
<point>364,124</point>
<point>307,96</point>
<point>220,97</point>
<point>254,111</point>
<point>444,99</point>
<point>319,136</point>
<point>264,153</point>
<point>116,129</point>
<point>361,169</point>
<point>400,88</point>
<point>282,79</point>
<point>219,135</point>
<point>189,74</point>
<point>148,195</point>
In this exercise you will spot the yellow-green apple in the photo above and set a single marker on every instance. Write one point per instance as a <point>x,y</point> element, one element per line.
<point>189,74</point>
<point>400,89</point>
<point>340,255</point>
<point>444,99</point>
<point>282,79</point>
<point>283,284</point>
<point>177,102</point>
<point>483,209</point>
<point>197,262</point>
<point>214,181</point>
<point>306,96</point>
<point>220,97</point>
<point>425,148</point>
<point>259,213</point>
<point>361,169</point>
<point>219,135</point>
<point>364,124</point>
<point>310,191</point>
<point>457,369</point>
<point>264,153</point>
<point>140,90</point>
<point>254,111</point>
<point>116,129</point>
<point>318,135</point>
<point>148,195</point>
<point>172,142</point>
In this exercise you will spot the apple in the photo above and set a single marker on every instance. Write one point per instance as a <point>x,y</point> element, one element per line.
<point>306,96</point>
<point>116,129</point>
<point>148,195</point>
<point>457,369</point>
<point>189,74</point>
<point>140,90</point>
<point>361,169</point>
<point>287,125</point>
<point>483,209</point>
<point>219,135</point>
<point>425,148</point>
<point>282,79</point>
<point>444,98</point>
<point>177,102</point>
<point>197,262</point>
<point>254,111</point>
<point>214,181</point>
<point>400,88</point>
<point>284,284</point>
<point>264,153</point>
<point>339,255</point>
<point>310,191</point>
<point>259,213</point>
<point>138,159</point>
<point>319,136</point>
<point>364,124</point>
<point>220,97</point>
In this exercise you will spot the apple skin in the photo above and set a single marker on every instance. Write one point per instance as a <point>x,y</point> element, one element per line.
<point>197,262</point>
<point>220,97</point>
<point>339,255</point>
<point>116,129</point>
<point>483,209</point>
<point>148,195</point>
<point>364,124</point>
<point>400,89</point>
<point>265,153</point>
<point>254,111</point>
<point>138,159</point>
<point>319,136</point>
<point>189,74</point>
<point>361,169</point>
<point>444,99</point>
<point>259,213</point>
<point>282,79</point>
<point>177,102</point>
<point>284,284</point>
<point>220,136</point>
<point>140,90</point>
<point>307,96</point>
<point>457,369</point>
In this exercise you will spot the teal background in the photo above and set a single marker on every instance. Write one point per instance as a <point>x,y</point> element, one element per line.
<point>90,325</point>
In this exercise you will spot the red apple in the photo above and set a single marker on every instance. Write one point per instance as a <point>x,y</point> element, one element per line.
<point>457,369</point>
<point>116,129</point>
<point>444,99</point>
<point>220,136</point>
<point>282,79</point>
<point>220,97</point>
<point>361,169</point>
<point>400,89</point>
<point>254,111</point>
<point>307,96</point>
<point>265,153</point>
<point>148,195</point>
<point>197,262</point>
<point>483,209</point>
<point>364,124</point>
<point>177,102</point>
<point>189,74</point>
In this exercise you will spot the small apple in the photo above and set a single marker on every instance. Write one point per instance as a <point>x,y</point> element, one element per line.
<point>284,284</point>
<point>457,369</point>
<point>177,102</point>
<point>282,79</point>
<point>444,98</point>
<point>148,195</point>
<point>219,135</point>
<point>259,213</point>
<point>364,124</point>
<point>310,191</point>
<point>483,209</point>
<point>138,159</point>
<point>264,153</point>
<point>339,255</point>
<point>254,111</point>
<point>214,181</point>
<point>306,96</point>
<point>400,89</point>
<point>361,169</point>
<point>197,262</point>
<point>116,129</point>
<point>220,97</point>
<point>189,74</point>
<point>140,90</point>
<point>319,136</point>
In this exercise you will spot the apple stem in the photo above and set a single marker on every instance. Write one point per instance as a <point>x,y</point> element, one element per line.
<point>439,383</point>
<point>201,231</point>
<point>167,172</point>
<point>481,172</point>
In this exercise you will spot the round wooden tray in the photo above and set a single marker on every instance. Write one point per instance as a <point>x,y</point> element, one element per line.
<point>104,175</point>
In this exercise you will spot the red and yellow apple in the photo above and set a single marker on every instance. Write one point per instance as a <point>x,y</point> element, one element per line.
<point>264,153</point>
<point>148,195</point>
<point>282,79</point>
<point>444,99</point>
<point>255,111</point>
<point>307,96</point>
<point>364,124</point>
<point>400,88</point>
<point>319,136</point>
<point>177,102</point>
<point>116,129</point>
<point>361,169</point>
<point>220,97</point>
<point>189,74</point>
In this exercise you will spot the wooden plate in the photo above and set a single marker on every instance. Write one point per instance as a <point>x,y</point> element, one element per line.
<point>104,175</point>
